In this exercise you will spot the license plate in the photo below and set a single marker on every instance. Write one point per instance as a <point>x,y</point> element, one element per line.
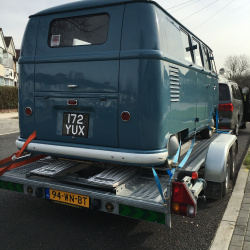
<point>70,198</point>
<point>75,124</point>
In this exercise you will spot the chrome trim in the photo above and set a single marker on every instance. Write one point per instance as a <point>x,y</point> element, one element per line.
<point>72,86</point>
<point>97,154</point>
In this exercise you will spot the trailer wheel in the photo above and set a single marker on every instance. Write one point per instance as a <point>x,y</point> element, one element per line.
<point>225,184</point>
<point>232,162</point>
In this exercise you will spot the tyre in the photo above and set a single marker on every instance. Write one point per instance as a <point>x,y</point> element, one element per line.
<point>225,184</point>
<point>244,125</point>
<point>232,162</point>
<point>236,128</point>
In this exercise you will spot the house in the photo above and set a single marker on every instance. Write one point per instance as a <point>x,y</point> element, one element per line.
<point>8,61</point>
<point>2,49</point>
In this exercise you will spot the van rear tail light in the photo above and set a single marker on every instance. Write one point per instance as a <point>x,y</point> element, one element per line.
<point>28,111</point>
<point>125,116</point>
<point>226,107</point>
<point>72,102</point>
<point>183,201</point>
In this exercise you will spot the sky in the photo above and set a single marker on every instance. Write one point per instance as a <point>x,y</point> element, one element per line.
<point>224,25</point>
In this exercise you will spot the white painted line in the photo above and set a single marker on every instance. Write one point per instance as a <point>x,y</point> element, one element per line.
<point>10,133</point>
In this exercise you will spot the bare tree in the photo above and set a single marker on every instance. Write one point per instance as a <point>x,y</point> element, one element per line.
<point>237,66</point>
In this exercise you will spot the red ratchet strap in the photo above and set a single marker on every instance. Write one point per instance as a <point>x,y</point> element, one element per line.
<point>17,155</point>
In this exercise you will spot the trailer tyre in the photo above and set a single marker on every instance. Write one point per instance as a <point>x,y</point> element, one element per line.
<point>232,162</point>
<point>225,184</point>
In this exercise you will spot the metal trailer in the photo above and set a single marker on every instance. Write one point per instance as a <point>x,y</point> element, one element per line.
<point>132,191</point>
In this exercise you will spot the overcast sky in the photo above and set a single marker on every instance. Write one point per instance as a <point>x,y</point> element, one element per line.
<point>224,25</point>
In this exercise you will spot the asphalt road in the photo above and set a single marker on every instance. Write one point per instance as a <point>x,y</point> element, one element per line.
<point>31,223</point>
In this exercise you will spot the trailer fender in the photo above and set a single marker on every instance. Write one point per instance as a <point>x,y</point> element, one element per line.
<point>216,159</point>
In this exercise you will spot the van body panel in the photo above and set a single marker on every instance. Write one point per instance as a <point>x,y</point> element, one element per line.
<point>102,125</point>
<point>142,93</point>
<point>27,78</point>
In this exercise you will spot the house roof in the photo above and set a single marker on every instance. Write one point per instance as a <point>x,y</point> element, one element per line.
<point>17,54</point>
<point>7,40</point>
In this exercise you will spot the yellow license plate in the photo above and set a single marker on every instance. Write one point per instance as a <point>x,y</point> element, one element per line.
<point>70,198</point>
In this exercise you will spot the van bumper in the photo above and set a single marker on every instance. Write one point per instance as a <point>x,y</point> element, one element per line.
<point>114,155</point>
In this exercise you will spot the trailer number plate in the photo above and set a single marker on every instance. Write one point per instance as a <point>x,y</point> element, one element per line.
<point>69,198</point>
<point>75,124</point>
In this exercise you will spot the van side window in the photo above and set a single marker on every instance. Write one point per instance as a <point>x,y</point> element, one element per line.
<point>77,31</point>
<point>237,93</point>
<point>173,39</point>
<point>186,47</point>
<point>205,57</point>
<point>212,63</point>
<point>197,53</point>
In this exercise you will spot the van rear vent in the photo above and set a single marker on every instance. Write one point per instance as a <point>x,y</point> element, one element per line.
<point>174,84</point>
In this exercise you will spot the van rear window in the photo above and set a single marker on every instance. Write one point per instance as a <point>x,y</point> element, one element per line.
<point>79,31</point>
<point>224,94</point>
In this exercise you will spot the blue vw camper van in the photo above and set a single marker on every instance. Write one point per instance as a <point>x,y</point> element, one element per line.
<point>113,81</point>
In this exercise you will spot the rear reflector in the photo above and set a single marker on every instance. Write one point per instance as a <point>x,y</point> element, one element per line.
<point>125,115</point>
<point>28,111</point>
<point>226,107</point>
<point>183,201</point>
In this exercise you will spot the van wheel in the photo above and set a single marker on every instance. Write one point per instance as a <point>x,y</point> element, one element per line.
<point>244,125</point>
<point>225,184</point>
<point>232,162</point>
<point>236,128</point>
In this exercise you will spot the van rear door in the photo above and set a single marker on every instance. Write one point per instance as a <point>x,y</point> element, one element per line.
<point>76,76</point>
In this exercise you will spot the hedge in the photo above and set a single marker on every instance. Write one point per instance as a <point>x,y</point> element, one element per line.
<point>8,97</point>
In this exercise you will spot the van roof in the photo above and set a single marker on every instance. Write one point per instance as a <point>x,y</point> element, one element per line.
<point>87,4</point>
<point>84,4</point>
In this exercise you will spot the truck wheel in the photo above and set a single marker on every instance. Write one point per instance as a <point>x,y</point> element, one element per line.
<point>232,162</point>
<point>225,184</point>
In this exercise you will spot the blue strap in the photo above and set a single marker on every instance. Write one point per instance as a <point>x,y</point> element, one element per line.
<point>171,173</point>
<point>176,158</point>
<point>158,183</point>
<point>216,119</point>
<point>187,154</point>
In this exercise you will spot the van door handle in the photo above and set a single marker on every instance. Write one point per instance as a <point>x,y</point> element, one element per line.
<point>214,87</point>
<point>207,85</point>
<point>72,86</point>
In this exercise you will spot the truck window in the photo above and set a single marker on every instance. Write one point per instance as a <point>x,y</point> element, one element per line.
<point>78,31</point>
<point>186,46</point>
<point>197,53</point>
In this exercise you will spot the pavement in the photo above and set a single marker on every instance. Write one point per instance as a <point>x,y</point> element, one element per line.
<point>233,232</point>
<point>9,123</point>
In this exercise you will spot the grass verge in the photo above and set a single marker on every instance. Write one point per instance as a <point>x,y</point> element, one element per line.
<point>247,160</point>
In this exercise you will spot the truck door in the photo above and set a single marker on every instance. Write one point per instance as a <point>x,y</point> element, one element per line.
<point>76,76</point>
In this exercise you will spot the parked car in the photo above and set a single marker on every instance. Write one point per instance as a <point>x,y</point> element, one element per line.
<point>231,106</point>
